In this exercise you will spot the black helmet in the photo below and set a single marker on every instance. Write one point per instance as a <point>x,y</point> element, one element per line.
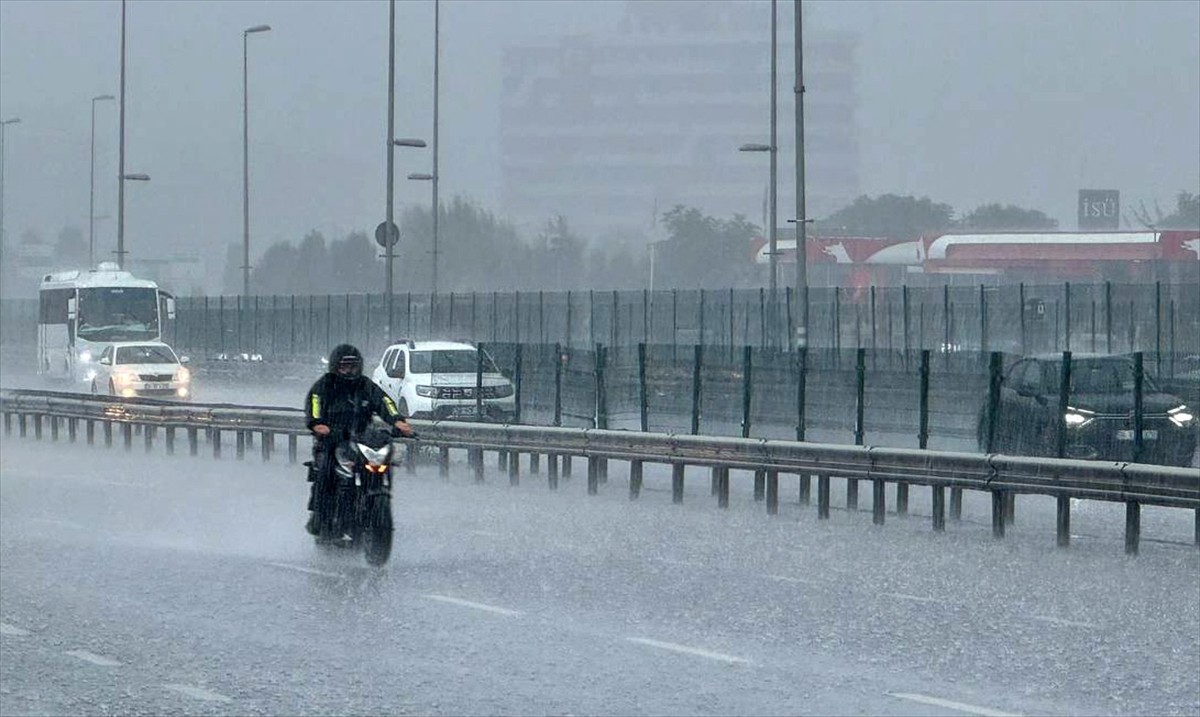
<point>346,362</point>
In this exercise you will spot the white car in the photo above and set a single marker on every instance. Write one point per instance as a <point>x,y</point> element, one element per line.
<point>141,368</point>
<point>437,380</point>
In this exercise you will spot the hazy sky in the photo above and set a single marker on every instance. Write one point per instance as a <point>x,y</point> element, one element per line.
<point>965,102</point>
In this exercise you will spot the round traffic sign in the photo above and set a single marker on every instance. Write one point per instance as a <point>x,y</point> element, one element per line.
<point>381,234</point>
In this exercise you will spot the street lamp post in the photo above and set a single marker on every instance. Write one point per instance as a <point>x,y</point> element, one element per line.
<point>121,155</point>
<point>801,218</point>
<point>246,159</point>
<point>92,186</point>
<point>434,179</point>
<point>3,124</point>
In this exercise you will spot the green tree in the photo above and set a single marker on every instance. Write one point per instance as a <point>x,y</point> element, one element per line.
<point>888,215</point>
<point>997,217</point>
<point>1186,214</point>
<point>703,251</point>
<point>476,251</point>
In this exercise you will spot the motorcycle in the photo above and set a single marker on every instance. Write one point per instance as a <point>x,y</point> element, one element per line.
<point>361,515</point>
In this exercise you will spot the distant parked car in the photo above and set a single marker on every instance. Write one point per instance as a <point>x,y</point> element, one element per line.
<point>142,369</point>
<point>1099,417</point>
<point>437,380</point>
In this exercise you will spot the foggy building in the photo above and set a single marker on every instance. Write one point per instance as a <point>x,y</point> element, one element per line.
<point>605,128</point>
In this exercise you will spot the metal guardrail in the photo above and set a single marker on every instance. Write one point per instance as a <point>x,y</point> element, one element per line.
<point>1001,476</point>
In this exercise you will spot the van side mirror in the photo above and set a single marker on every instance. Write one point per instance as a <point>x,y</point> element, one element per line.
<point>171,308</point>
<point>105,361</point>
<point>71,309</point>
<point>184,360</point>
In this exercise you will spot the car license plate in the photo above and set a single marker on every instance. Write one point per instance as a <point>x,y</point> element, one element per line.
<point>157,386</point>
<point>1148,434</point>
<point>463,411</point>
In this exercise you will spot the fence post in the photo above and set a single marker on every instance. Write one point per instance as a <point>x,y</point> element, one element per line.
<point>1067,314</point>
<point>643,399</point>
<point>923,399</point>
<point>905,321</point>
<point>1021,312</point>
<point>560,357</point>
<point>995,375</point>
<point>1064,392</point>
<point>1158,326</point>
<point>517,372</point>
<point>983,320</point>
<point>1138,408</point>
<point>601,464</point>
<point>946,329</point>
<point>801,389</point>
<point>697,362</point>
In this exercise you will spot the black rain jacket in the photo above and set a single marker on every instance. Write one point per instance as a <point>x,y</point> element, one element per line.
<point>346,405</point>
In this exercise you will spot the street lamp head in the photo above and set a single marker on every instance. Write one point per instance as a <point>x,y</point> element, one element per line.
<point>755,148</point>
<point>98,98</point>
<point>14,120</point>
<point>409,142</point>
<point>421,176</point>
<point>256,28</point>
<point>137,177</point>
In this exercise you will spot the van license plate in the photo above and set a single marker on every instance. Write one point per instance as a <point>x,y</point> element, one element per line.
<point>1148,434</point>
<point>463,411</point>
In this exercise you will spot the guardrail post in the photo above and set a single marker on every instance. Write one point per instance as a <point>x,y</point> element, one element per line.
<point>760,485</point>
<point>1064,521</point>
<point>127,435</point>
<point>7,423</point>
<point>514,469</point>
<point>552,470</point>
<point>635,479</point>
<point>72,429</point>
<point>89,430</point>
<point>1133,526</point>
<point>956,503</point>
<point>476,459</point>
<point>214,436</point>
<point>148,436</point>
<point>677,482</point>
<point>939,507</point>
<point>997,514</point>
<point>268,444</point>
<point>21,430</point>
<point>593,475</point>
<point>501,461</point>
<point>292,448</point>
<point>878,501</point>
<point>108,434</point>
<point>53,428</point>
<point>443,462</point>
<point>170,438</point>
<point>193,441</point>
<point>410,459</point>
<point>240,440</point>
<point>901,498</point>
<point>851,494</point>
<point>566,466</point>
<point>822,496</point>
<point>535,463</point>
<point>773,492</point>
<point>721,475</point>
<point>37,426</point>
<point>805,489</point>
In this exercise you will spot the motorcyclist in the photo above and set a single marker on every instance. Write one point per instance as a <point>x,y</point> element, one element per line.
<point>340,403</point>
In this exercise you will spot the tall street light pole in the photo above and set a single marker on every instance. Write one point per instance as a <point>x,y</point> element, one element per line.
<point>389,239</point>
<point>801,218</point>
<point>246,159</point>
<point>3,124</point>
<point>771,240</point>
<point>92,186</point>
<point>436,175</point>
<point>121,155</point>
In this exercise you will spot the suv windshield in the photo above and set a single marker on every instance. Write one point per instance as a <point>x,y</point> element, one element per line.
<point>1099,376</point>
<point>452,361</point>
<point>145,354</point>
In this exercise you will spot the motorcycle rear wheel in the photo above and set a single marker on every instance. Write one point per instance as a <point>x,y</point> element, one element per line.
<point>377,534</point>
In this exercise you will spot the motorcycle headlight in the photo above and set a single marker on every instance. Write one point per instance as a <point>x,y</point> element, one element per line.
<point>375,457</point>
<point>426,391</point>
<point>183,375</point>
<point>1181,416</point>
<point>1078,417</point>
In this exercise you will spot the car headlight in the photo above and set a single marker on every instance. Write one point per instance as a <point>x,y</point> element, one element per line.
<point>91,374</point>
<point>503,391</point>
<point>85,356</point>
<point>183,375</point>
<point>1181,416</point>
<point>426,391</point>
<point>125,378</point>
<point>1078,417</point>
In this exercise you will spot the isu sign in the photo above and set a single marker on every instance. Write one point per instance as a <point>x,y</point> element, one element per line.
<point>1099,209</point>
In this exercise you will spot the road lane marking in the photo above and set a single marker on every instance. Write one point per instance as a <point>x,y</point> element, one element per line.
<point>307,571</point>
<point>58,523</point>
<point>94,658</point>
<point>914,598</point>
<point>13,630</point>
<point>198,693</point>
<point>952,705</point>
<point>1060,621</point>
<point>786,579</point>
<point>695,651</point>
<point>474,605</point>
<point>680,563</point>
<point>484,533</point>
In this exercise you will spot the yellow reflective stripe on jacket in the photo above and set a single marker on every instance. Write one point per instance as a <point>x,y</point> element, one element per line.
<point>316,406</point>
<point>387,401</point>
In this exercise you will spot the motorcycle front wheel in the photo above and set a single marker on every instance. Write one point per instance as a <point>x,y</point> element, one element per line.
<point>377,533</point>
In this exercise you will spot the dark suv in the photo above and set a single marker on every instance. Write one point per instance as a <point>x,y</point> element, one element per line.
<point>1099,417</point>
